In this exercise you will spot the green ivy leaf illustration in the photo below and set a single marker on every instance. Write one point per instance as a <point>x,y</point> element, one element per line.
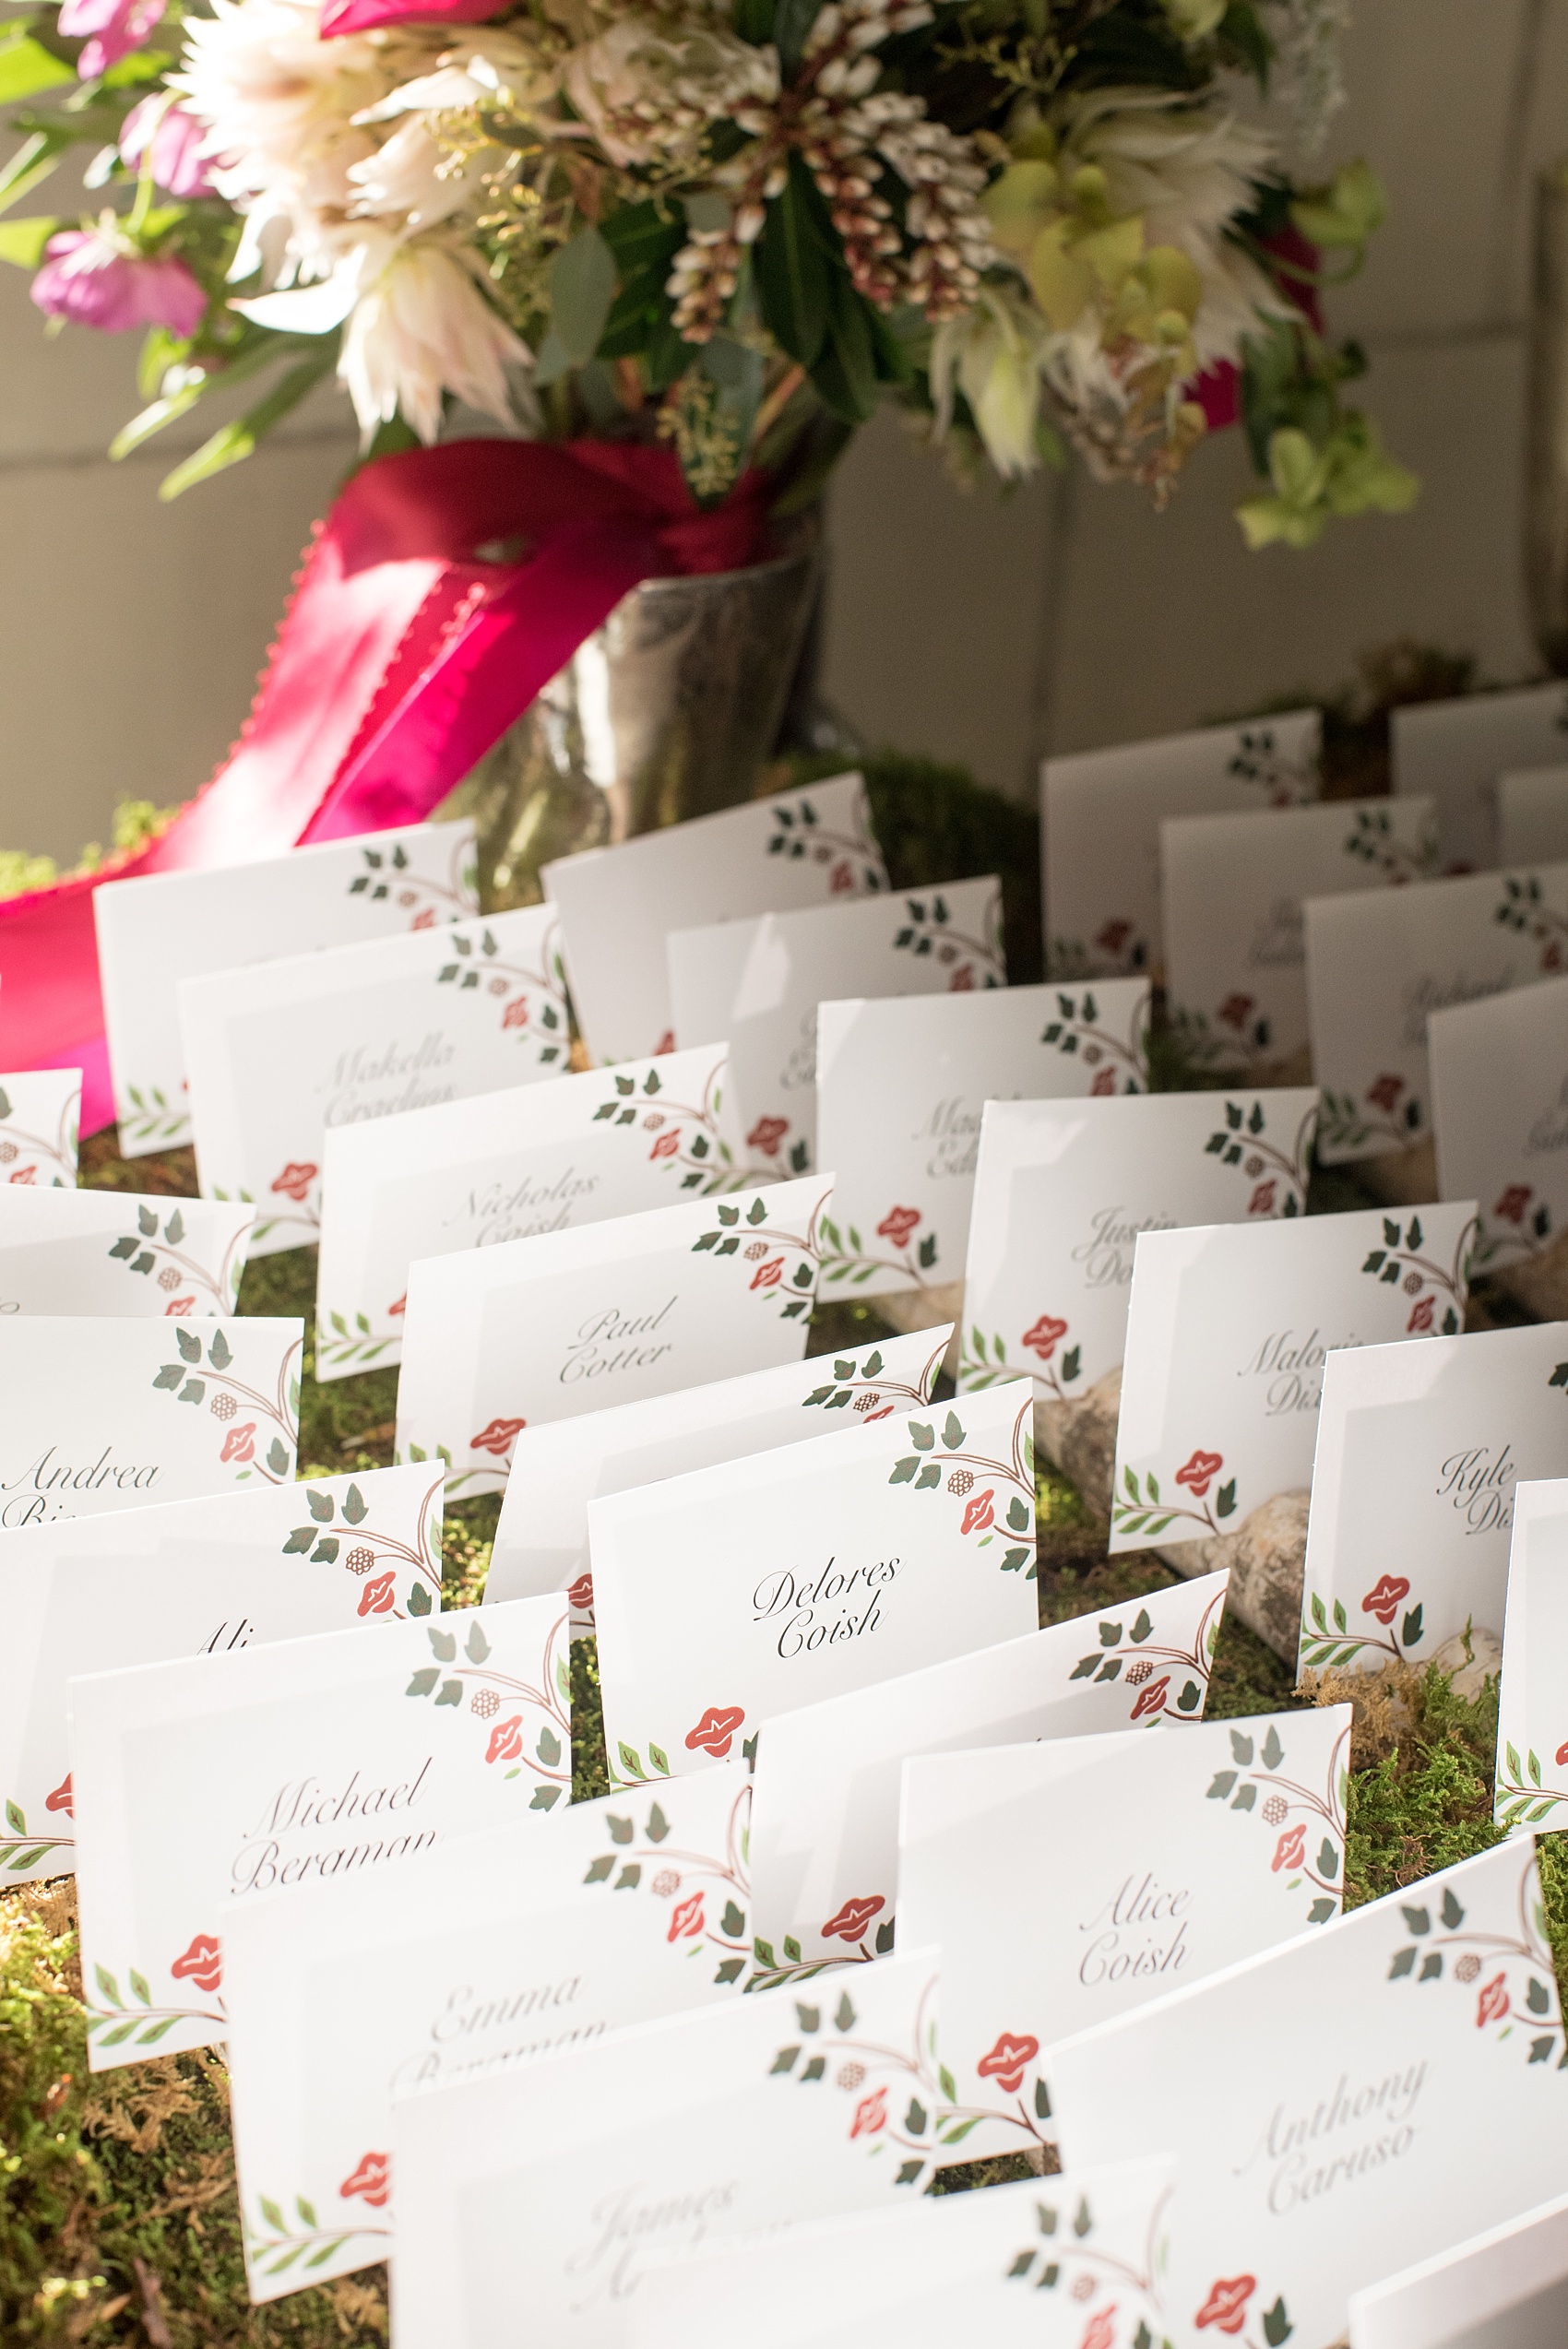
<point>1403,1962</point>
<point>952,1432</point>
<point>277,1457</point>
<point>658,1825</point>
<point>920,1436</point>
<point>1191,1693</point>
<point>1277,2325</point>
<point>1431,1966</point>
<point>1223,1782</point>
<point>1240,1747</point>
<point>1328,1861</point>
<point>928,1478</point>
<point>549,1747</point>
<point>1320,1911</point>
<point>784,2060</point>
<point>320,1504</point>
<point>844,2014</point>
<point>1452,1912</point>
<point>1225,1500</point>
<point>1273,1751</point>
<point>1418,1919</point>
<point>451,1692</point>
<point>660,1759</point>
<point>476,1646</point>
<point>327,1550</point>
<point>189,1345</point>
<point>600,1868</point>
<point>545,1798</point>
<point>631,1762</point>
<point>418,1600</point>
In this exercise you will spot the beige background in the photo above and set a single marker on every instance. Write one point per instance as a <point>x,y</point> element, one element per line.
<point>973,628</point>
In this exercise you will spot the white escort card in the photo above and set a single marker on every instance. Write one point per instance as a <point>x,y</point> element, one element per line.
<point>827,1777</point>
<point>1419,1452</point>
<point>1149,1864</point>
<point>760,1584</point>
<point>1232,890</point>
<point>282,1051</point>
<point>501,1166</point>
<point>477,1955</point>
<point>759,983</point>
<point>1499,1117</point>
<point>1316,2095</point>
<point>901,1085</point>
<point>498,1339</point>
<point>1454,751</point>
<point>157,928</point>
<point>115,1413</point>
<point>541,1540</point>
<point>189,1578</point>
<point>1102,812</point>
<point>1042,2264</point>
<point>577,2171</point>
<point>1378,964</point>
<point>39,1113</point>
<point>798,848</point>
<point>1532,1726</point>
<point>1532,815</point>
<point>1505,2289</point>
<point>113,1252</point>
<point>227,1776</point>
<point>1062,1192</point>
<point>1228,1331</point>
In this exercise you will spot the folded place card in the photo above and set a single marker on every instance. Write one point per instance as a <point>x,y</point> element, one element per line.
<point>279,1052</point>
<point>1532,815</point>
<point>1062,1192</point>
<point>498,1339</point>
<point>1228,1331</point>
<point>1071,1881</point>
<point>478,1955</point>
<point>1454,751</point>
<point>1050,2265</point>
<point>617,905</point>
<point>541,1541</point>
<point>160,927</point>
<point>577,2171</point>
<point>825,1783</point>
<point>901,1085</point>
<point>115,1413</point>
<point>1505,2289</point>
<point>1378,963</point>
<point>759,983</point>
<point>256,1770</point>
<point>1532,1759</point>
<point>112,1251</point>
<point>1232,890</point>
<point>40,1112</point>
<point>1317,2095</point>
<point>1419,1452</point>
<point>760,1584</point>
<point>189,1578</point>
<point>503,1165</point>
<point>1499,1117</point>
<point>1102,812</point>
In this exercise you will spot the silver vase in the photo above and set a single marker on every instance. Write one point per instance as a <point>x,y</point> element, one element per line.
<point>667,711</point>
<point>1546,449</point>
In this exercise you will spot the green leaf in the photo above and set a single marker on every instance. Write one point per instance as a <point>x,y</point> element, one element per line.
<point>793,270</point>
<point>1143,1625</point>
<point>476,1646</point>
<point>26,67</point>
<point>355,1507</point>
<point>424,1680</point>
<point>660,1762</point>
<point>1277,2325</point>
<point>544,1798</point>
<point>582,288</point>
<point>952,1433</point>
<point>451,1692</point>
<point>1273,1751</point>
<point>1419,1920</point>
<point>844,2014</point>
<point>418,1600</point>
<point>600,1868</point>
<point>631,1763</point>
<point>189,1345</point>
<point>1403,1962</point>
<point>16,1819</point>
<point>549,1747</point>
<point>22,242</point>
<point>139,1989</point>
<point>235,441</point>
<point>1223,1782</point>
<point>783,2062</point>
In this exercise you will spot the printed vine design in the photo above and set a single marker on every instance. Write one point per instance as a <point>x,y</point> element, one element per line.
<point>799,834</point>
<point>1141,1508</point>
<point>19,1848</point>
<point>1524,911</point>
<point>986,1512</point>
<point>292,1182</point>
<point>532,1002</point>
<point>191,1380</point>
<point>278,2245</point>
<point>1424,1281</point>
<point>387,869</point>
<point>1201,1042</point>
<point>1531,1226</point>
<point>1258,760</point>
<point>445,1682</point>
<point>1330,1644</point>
<point>767,1249</point>
<point>1226,2307</point>
<point>1120,1063</point>
<point>358,1345</point>
<point>686,1135</point>
<point>1498,2000</point>
<point>1280,1797</point>
<point>1151,1667</point>
<point>16,1142</point>
<point>1064,2253</point>
<point>970,962</point>
<point>1372,841</point>
<point>116,2020</point>
<point>154,1120</point>
<point>872,1396</point>
<point>713,1733</point>
<point>977,1369</point>
<point>845,1257</point>
<point>1121,952</point>
<point>1389,1111</point>
<point>1240,1142</point>
<point>710,1893</point>
<point>1522,1800</point>
<point>148,1250</point>
<point>323,1538</point>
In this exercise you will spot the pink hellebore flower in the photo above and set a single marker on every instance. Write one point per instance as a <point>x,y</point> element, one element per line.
<point>175,139</point>
<point>96,278</point>
<point>112,27</point>
<point>365,16</point>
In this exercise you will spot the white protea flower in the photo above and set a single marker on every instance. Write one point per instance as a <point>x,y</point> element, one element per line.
<point>417,178</point>
<point>419,328</point>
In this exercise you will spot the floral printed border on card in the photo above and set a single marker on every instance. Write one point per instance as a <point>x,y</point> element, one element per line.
<point>1532,1725</point>
<point>108,1252</point>
<point>39,1113</point>
<point>1499,1116</point>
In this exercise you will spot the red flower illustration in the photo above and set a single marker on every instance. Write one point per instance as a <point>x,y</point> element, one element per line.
<point>499,1437</point>
<point>768,1275</point>
<point>1385,1092</point>
<point>666,1043</point>
<point>1492,2004</point>
<point>962,980</point>
<point>848,1923</point>
<point>897,1224</point>
<point>25,1174</point>
<point>240,1442</point>
<point>715,1732</point>
<point>871,2114</point>
<point>841,879</point>
<point>372,2180</point>
<point>1113,937</point>
<point>1226,2304</point>
<point>667,1143</point>
<point>379,1595</point>
<point>685,1919</point>
<point>580,1593</point>
<point>1105,1082</point>
<point>1514,1201</point>
<point>516,1012</point>
<point>1290,1848</point>
<point>505,1740</point>
<point>1383,1600</point>
<point>766,1135</point>
<point>424,920</point>
<point>60,1798</point>
<point>1009,2060</point>
<point>1562,1757</point>
<point>1200,1472</point>
<point>296,1178</point>
<point>1045,1337</point>
<point>977,1512</point>
<point>1151,1698</point>
<point>178,1305</point>
<point>1101,2330</point>
<point>1421,1316</point>
<point>1234,1011</point>
<point>398,1306</point>
<point>201,1963</point>
<point>1262,1201</point>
